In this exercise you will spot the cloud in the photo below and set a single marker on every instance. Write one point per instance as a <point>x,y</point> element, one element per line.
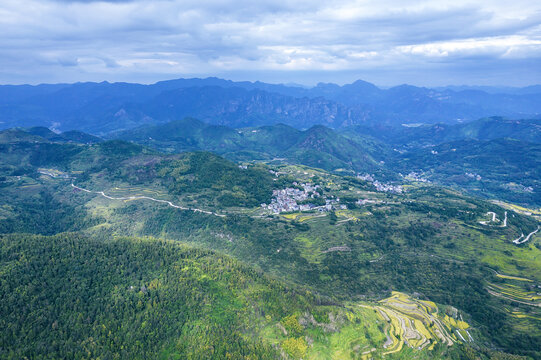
<point>151,40</point>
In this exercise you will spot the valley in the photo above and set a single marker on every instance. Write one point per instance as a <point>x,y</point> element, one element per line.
<point>392,261</point>
<point>270,180</point>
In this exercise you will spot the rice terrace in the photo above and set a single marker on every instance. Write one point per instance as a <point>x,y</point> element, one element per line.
<point>419,323</point>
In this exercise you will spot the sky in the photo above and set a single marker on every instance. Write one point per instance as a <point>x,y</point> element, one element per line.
<point>387,42</point>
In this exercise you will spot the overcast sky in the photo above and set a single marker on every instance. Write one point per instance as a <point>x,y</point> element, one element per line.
<point>387,42</point>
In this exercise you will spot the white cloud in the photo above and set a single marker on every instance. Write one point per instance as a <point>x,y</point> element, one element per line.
<point>136,40</point>
<point>506,46</point>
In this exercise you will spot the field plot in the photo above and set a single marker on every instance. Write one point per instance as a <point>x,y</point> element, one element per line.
<point>418,324</point>
<point>513,278</point>
<point>345,216</point>
<point>521,315</point>
<point>516,293</point>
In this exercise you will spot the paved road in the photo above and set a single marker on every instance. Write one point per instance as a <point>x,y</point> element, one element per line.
<point>518,240</point>
<point>146,198</point>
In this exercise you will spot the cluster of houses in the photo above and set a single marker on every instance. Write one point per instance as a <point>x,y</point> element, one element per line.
<point>288,199</point>
<point>365,177</point>
<point>474,176</point>
<point>413,176</point>
<point>362,202</point>
<point>383,187</point>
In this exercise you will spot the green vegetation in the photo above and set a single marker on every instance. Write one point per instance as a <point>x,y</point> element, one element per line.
<point>70,296</point>
<point>197,172</point>
<point>318,146</point>
<point>308,284</point>
<point>507,169</point>
<point>73,297</point>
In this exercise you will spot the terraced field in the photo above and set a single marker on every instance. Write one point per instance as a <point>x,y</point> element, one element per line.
<point>418,324</point>
<point>304,216</point>
<point>516,293</point>
<point>501,276</point>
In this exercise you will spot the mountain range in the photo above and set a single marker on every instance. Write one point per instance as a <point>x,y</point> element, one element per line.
<point>492,157</point>
<point>102,108</point>
<point>504,153</point>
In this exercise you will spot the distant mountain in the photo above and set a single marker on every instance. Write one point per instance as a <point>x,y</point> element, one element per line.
<point>534,89</point>
<point>101,108</point>
<point>67,136</point>
<point>528,130</point>
<point>318,146</point>
<point>239,107</point>
<point>40,134</point>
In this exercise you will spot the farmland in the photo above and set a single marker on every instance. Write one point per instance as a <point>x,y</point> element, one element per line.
<point>418,324</point>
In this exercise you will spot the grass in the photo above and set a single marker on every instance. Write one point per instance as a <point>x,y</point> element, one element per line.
<point>361,333</point>
<point>518,208</point>
<point>309,249</point>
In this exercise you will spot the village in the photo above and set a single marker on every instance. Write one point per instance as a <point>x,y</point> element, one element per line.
<point>382,187</point>
<point>305,199</point>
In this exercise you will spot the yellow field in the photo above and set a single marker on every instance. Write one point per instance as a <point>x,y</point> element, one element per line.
<point>514,292</point>
<point>292,216</point>
<point>518,208</point>
<point>348,215</point>
<point>513,277</point>
<point>417,324</point>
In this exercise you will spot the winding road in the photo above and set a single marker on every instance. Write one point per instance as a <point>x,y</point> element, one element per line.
<point>146,198</point>
<point>494,219</point>
<point>518,240</point>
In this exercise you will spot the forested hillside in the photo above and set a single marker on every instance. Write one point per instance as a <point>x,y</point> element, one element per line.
<point>358,247</point>
<point>485,129</point>
<point>317,146</point>
<point>70,296</point>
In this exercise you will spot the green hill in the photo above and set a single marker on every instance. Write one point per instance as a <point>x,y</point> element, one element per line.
<point>41,134</point>
<point>504,169</point>
<point>323,148</point>
<point>485,129</point>
<point>317,146</point>
<point>74,297</point>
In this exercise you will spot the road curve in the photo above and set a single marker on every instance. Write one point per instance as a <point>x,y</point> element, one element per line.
<point>146,198</point>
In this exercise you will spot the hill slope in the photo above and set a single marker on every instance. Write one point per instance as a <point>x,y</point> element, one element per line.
<point>318,146</point>
<point>484,129</point>
<point>502,168</point>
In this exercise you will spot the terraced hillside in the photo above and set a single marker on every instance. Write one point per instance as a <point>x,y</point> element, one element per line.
<point>418,324</point>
